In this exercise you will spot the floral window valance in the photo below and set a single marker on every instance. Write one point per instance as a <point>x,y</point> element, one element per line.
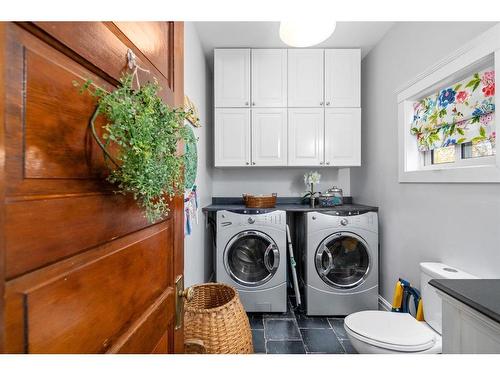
<point>460,113</point>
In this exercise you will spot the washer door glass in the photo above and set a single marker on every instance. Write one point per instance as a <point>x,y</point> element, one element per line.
<point>343,261</point>
<point>251,258</point>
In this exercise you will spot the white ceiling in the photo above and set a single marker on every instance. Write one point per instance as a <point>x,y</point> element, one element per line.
<point>362,35</point>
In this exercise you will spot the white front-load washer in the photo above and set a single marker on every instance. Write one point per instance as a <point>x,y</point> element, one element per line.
<point>340,273</point>
<point>251,256</point>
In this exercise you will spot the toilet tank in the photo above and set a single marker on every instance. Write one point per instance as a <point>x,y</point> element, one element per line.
<point>431,301</point>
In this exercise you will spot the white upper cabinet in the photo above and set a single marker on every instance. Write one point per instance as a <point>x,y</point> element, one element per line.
<point>305,78</point>
<point>232,137</point>
<point>295,107</point>
<point>232,77</point>
<point>342,78</point>
<point>269,136</point>
<point>269,78</point>
<point>343,137</point>
<point>305,136</point>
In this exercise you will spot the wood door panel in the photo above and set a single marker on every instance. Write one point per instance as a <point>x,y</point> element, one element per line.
<point>150,328</point>
<point>58,143</point>
<point>3,177</point>
<point>81,37</point>
<point>35,238</point>
<point>18,288</point>
<point>46,124</point>
<point>162,346</point>
<point>81,269</point>
<point>105,294</point>
<point>14,323</point>
<point>156,50</point>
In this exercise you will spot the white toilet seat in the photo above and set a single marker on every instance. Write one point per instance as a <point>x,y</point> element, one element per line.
<point>391,331</point>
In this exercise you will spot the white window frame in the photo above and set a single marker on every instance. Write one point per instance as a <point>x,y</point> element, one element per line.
<point>485,49</point>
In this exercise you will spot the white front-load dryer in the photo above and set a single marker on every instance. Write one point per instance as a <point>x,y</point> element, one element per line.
<point>341,262</point>
<point>251,256</point>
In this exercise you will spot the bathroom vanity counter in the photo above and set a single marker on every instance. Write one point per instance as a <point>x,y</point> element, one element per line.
<point>471,315</point>
<point>483,295</point>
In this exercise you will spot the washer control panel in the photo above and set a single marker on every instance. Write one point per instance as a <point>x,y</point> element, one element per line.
<point>320,220</point>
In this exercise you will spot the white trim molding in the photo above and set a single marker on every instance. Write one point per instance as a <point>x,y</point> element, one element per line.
<point>479,52</point>
<point>383,304</point>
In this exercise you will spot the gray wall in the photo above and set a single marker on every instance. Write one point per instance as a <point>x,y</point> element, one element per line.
<point>286,181</point>
<point>458,224</point>
<point>198,86</point>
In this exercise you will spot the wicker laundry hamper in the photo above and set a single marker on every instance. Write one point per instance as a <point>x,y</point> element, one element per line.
<point>214,319</point>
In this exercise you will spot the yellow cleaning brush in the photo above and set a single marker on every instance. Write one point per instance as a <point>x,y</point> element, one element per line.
<point>420,311</point>
<point>398,297</point>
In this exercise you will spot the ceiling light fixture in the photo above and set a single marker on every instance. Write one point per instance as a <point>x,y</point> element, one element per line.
<point>306,33</point>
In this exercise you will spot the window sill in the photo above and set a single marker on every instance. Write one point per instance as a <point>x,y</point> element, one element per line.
<point>469,174</point>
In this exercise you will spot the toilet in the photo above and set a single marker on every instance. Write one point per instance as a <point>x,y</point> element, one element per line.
<point>385,332</point>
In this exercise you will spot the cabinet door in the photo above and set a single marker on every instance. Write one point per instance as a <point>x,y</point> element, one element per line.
<point>269,77</point>
<point>343,137</point>
<point>269,143</point>
<point>305,78</point>
<point>342,78</point>
<point>232,77</point>
<point>232,137</point>
<point>305,136</point>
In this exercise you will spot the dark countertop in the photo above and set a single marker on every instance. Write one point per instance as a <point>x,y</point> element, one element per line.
<point>482,295</point>
<point>289,204</point>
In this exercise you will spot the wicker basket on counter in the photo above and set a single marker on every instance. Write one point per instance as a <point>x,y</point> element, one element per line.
<point>215,320</point>
<point>260,201</point>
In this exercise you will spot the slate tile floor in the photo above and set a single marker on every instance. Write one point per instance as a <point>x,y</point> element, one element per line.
<point>295,333</point>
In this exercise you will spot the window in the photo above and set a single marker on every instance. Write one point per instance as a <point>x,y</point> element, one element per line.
<point>456,123</point>
<point>446,122</point>
<point>465,154</point>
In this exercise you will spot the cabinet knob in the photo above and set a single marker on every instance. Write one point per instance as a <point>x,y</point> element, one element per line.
<point>327,163</point>
<point>246,103</point>
<point>253,103</point>
<point>320,103</point>
<point>253,163</point>
<point>327,103</point>
<point>247,163</point>
<point>320,163</point>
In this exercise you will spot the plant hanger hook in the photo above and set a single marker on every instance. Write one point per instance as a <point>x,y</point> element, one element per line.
<point>132,65</point>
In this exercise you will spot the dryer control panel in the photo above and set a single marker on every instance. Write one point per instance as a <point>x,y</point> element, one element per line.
<point>274,219</point>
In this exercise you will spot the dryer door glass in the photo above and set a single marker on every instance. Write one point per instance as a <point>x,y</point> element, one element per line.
<point>343,261</point>
<point>251,258</point>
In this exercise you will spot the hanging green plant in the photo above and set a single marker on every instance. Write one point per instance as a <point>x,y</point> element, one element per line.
<point>146,132</point>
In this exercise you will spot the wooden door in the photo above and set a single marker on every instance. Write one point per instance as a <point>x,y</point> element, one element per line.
<point>232,137</point>
<point>269,136</point>
<point>81,270</point>
<point>269,78</point>
<point>342,78</point>
<point>305,136</point>
<point>232,77</point>
<point>343,137</point>
<point>305,78</point>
